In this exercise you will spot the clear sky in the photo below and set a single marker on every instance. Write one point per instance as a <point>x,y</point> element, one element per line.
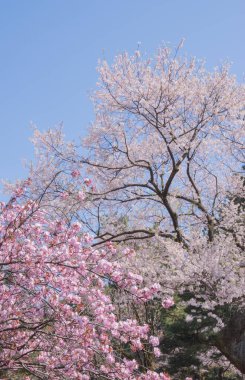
<point>49,51</point>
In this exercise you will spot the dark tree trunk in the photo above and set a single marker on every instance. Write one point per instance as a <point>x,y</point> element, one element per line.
<point>231,341</point>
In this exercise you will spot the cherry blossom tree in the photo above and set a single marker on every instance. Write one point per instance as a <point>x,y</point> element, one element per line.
<point>167,147</point>
<point>167,134</point>
<point>163,163</point>
<point>57,320</point>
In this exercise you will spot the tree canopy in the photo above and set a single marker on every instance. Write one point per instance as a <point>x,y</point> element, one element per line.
<point>137,232</point>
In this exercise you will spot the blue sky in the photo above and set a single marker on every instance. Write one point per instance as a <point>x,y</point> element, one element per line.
<point>49,51</point>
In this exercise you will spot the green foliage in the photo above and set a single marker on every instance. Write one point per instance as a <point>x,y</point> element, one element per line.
<point>184,342</point>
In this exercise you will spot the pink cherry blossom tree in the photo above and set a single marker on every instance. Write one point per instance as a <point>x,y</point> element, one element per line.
<point>57,320</point>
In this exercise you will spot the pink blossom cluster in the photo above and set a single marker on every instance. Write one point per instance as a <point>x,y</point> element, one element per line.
<point>55,305</point>
<point>167,303</point>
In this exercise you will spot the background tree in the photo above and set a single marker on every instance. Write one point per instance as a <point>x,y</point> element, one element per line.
<point>167,147</point>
